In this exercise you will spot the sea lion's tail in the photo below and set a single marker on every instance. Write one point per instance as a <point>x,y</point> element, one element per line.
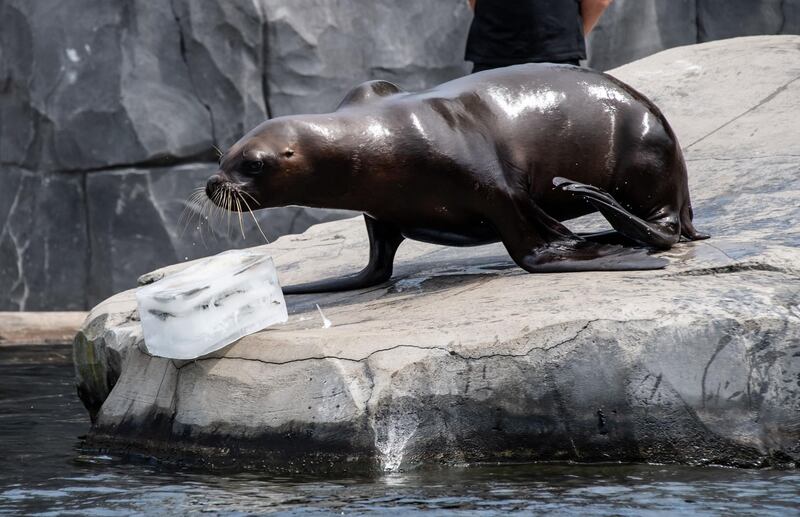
<point>687,227</point>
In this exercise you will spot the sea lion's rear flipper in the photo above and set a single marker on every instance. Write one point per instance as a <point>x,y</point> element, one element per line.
<point>571,256</point>
<point>608,237</point>
<point>687,226</point>
<point>540,244</point>
<point>661,234</point>
<point>383,242</point>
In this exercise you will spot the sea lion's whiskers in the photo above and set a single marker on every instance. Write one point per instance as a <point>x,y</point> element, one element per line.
<point>233,209</point>
<point>251,197</point>
<point>239,214</point>
<point>192,204</point>
<point>186,214</point>
<point>219,212</point>
<point>224,212</point>
<point>214,214</point>
<point>194,196</point>
<point>201,222</point>
<point>204,217</point>
<point>219,153</point>
<point>196,206</point>
<point>229,208</point>
<point>214,211</point>
<point>255,220</point>
<point>185,219</point>
<point>209,208</point>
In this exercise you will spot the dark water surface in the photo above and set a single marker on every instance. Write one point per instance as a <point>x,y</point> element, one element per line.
<point>43,472</point>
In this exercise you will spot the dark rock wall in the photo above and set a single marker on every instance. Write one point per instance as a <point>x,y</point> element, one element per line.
<point>318,49</point>
<point>109,115</point>
<point>110,111</point>
<point>44,251</point>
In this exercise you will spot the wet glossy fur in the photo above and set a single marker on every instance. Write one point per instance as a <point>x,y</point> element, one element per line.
<point>501,155</point>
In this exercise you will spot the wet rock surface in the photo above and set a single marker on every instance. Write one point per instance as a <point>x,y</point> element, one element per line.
<point>462,357</point>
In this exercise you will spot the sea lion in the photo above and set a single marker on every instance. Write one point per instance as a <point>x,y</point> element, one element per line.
<point>501,155</point>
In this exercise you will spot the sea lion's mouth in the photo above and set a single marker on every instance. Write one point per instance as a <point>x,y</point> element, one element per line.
<point>233,197</point>
<point>230,196</point>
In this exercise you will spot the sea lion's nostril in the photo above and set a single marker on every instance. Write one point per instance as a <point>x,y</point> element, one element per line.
<point>212,185</point>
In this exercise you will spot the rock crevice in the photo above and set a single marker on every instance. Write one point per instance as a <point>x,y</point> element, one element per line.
<point>395,348</point>
<point>761,103</point>
<point>182,46</point>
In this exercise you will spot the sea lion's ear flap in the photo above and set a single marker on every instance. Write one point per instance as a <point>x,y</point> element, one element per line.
<point>369,92</point>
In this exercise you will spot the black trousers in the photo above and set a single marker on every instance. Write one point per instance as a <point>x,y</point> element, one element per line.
<point>480,67</point>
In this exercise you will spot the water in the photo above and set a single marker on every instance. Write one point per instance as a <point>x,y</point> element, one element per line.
<point>44,472</point>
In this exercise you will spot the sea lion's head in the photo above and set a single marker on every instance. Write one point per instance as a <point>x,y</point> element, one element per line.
<point>267,167</point>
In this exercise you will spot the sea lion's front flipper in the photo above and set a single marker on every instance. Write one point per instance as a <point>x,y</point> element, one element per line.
<point>383,242</point>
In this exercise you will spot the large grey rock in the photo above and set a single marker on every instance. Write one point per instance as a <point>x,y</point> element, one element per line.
<point>632,29</point>
<point>141,219</point>
<point>732,133</point>
<point>318,50</point>
<point>463,357</point>
<point>110,331</point>
<point>43,241</point>
<point>90,84</point>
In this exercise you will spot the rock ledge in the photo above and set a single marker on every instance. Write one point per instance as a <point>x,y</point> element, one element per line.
<point>464,358</point>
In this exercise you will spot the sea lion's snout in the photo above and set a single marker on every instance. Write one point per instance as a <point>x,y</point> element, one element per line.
<point>214,183</point>
<point>228,194</point>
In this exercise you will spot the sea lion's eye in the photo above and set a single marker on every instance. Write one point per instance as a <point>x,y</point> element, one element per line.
<point>253,167</point>
<point>288,153</point>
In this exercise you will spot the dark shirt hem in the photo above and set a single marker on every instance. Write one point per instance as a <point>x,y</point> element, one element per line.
<point>506,32</point>
<point>558,56</point>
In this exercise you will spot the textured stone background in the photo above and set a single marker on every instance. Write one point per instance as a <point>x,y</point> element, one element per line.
<point>109,111</point>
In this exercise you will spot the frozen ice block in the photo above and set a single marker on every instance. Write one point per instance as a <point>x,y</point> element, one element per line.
<point>210,304</point>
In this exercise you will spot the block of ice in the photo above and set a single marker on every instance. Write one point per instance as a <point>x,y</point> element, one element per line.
<point>210,304</point>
